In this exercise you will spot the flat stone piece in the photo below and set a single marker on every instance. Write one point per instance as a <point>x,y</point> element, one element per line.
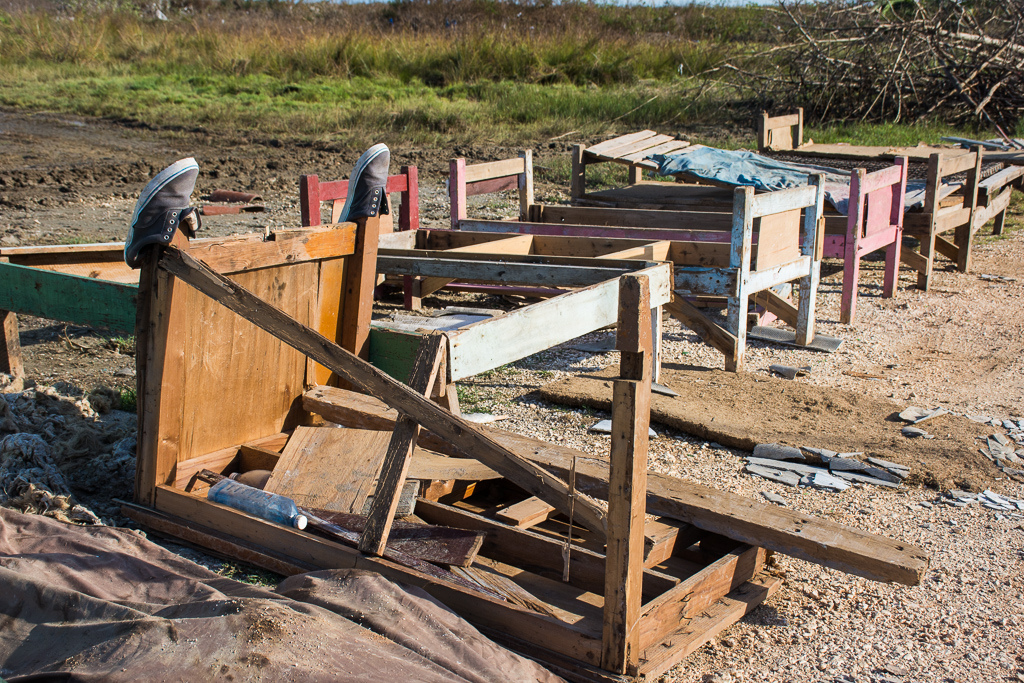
<point>983,419</point>
<point>824,481</point>
<point>865,479</point>
<point>999,439</point>
<point>821,342</point>
<point>914,415</point>
<point>818,455</point>
<point>605,427</point>
<point>775,451</point>
<point>846,465</point>
<point>790,372</point>
<point>914,432</point>
<point>894,467</point>
<point>784,465</point>
<point>1009,424</point>
<point>774,498</point>
<point>781,476</point>
<point>663,390</point>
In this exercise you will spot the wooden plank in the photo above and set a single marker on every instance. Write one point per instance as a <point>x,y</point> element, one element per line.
<point>784,272</point>
<point>360,280</point>
<point>777,306</point>
<point>699,281</point>
<point>497,271</point>
<point>627,478</point>
<point>329,313</point>
<point>609,231</point>
<point>663,537</point>
<point>11,361</point>
<point>329,468</point>
<point>495,342</point>
<point>215,541</point>
<point>662,656</point>
<point>526,185</point>
<point>430,466</point>
<point>693,595</point>
<point>707,329</point>
<point>509,589</point>
<point>69,298</point>
<point>492,185</point>
<point>494,169</point>
<point>742,519</point>
<point>995,181</point>
<point>603,147</point>
<point>525,513</point>
<point>160,373</point>
<point>393,351</point>
<point>403,439</point>
<point>636,218</point>
<point>946,248</point>
<point>461,433</point>
<point>664,148</point>
<point>233,255</point>
<point>984,214</point>
<point>782,200</point>
<point>778,239</point>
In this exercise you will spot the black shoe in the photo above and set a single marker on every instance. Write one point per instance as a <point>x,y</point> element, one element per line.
<point>367,186</point>
<point>162,208</point>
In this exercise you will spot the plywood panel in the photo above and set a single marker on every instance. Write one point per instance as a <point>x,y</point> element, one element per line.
<point>779,239</point>
<point>241,383</point>
<point>330,468</point>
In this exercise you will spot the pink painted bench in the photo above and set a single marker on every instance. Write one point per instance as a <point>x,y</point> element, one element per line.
<point>875,222</point>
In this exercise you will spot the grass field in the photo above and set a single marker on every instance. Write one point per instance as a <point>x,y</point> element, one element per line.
<point>435,74</point>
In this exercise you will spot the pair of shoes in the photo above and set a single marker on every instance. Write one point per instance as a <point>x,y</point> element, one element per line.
<point>163,206</point>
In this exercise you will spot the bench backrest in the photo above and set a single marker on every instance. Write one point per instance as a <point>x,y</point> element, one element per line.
<point>494,176</point>
<point>779,133</point>
<point>313,193</point>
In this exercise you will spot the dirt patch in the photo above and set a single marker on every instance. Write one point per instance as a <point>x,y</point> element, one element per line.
<point>743,410</point>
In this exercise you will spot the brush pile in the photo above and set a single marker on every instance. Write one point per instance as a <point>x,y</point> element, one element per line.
<point>899,61</point>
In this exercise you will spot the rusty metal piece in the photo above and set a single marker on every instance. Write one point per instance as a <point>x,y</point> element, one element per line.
<point>232,196</point>
<point>209,210</point>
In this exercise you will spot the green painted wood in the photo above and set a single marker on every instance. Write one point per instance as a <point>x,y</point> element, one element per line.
<point>393,351</point>
<point>68,298</point>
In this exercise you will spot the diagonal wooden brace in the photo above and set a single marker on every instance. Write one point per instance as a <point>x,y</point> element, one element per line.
<point>396,461</point>
<point>456,430</point>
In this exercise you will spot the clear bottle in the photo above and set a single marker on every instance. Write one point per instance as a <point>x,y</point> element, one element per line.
<point>262,504</point>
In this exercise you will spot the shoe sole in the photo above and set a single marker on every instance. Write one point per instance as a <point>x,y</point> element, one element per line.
<point>159,181</point>
<point>361,164</point>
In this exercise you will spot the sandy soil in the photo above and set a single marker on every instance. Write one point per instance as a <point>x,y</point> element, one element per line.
<point>959,346</point>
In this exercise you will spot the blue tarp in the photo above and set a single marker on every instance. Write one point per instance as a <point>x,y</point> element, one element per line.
<point>749,169</point>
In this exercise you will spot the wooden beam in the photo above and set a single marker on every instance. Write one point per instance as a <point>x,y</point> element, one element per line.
<point>706,328</point>
<point>627,478</point>
<point>360,280</point>
<point>775,304</point>
<point>460,432</point>
<point>160,373</point>
<point>10,347</point>
<point>70,298</point>
<point>396,460</point>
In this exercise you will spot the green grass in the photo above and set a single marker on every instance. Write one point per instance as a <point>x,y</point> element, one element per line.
<point>129,400</point>
<point>432,74</point>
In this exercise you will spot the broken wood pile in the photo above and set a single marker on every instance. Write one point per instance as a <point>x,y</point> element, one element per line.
<point>590,564</point>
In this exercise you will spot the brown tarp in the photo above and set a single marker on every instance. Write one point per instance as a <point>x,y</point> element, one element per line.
<point>99,603</point>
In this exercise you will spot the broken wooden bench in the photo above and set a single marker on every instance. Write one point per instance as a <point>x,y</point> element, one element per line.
<point>962,207</point>
<point>229,379</point>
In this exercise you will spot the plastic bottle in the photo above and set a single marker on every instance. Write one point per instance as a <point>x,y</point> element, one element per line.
<point>262,504</point>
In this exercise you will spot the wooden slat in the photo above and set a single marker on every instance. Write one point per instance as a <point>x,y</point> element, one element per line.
<point>360,280</point>
<point>777,306</point>
<point>525,514</point>
<point>663,537</point>
<point>403,439</point>
<point>664,148</point>
<point>696,593</point>
<point>661,656</point>
<point>287,247</point>
<point>458,431</point>
<point>637,218</point>
<point>627,478</point>
<point>993,182</point>
<point>603,147</point>
<point>66,297</point>
<point>495,342</point>
<point>494,169</point>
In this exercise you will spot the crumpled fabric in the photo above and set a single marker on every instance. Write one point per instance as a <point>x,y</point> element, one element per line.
<point>105,604</point>
<point>744,168</point>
